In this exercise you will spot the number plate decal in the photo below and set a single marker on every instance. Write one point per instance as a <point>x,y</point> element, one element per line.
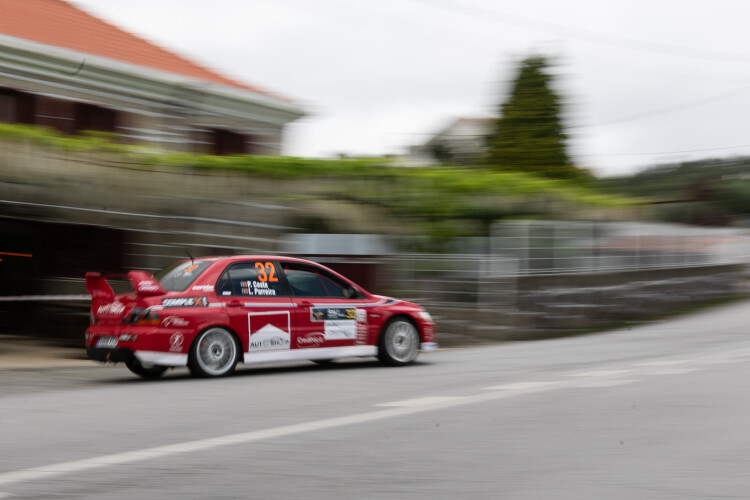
<point>107,342</point>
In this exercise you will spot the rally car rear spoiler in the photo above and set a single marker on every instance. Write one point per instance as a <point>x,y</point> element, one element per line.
<point>144,285</point>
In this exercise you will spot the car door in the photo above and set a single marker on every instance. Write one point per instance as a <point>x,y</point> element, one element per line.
<point>258,307</point>
<point>325,313</point>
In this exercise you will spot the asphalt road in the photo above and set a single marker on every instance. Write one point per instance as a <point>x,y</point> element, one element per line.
<point>657,412</point>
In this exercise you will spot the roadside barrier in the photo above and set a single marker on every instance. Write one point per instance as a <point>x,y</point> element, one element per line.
<point>35,298</point>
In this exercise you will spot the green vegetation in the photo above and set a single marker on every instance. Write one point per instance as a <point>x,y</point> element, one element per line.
<point>706,192</point>
<point>441,202</point>
<point>89,141</point>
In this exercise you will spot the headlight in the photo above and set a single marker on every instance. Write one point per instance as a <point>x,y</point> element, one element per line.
<point>425,316</point>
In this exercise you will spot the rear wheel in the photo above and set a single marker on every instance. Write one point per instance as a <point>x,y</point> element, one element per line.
<point>213,354</point>
<point>145,371</point>
<point>399,343</point>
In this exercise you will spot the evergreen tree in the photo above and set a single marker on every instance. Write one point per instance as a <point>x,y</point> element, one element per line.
<point>529,135</point>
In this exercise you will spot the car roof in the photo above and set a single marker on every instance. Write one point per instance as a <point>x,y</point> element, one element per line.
<point>233,258</point>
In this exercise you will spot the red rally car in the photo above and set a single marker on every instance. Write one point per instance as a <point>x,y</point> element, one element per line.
<point>211,313</point>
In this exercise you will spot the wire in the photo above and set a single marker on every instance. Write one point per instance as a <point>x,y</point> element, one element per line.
<point>581,34</point>
<point>668,109</point>
<point>670,152</point>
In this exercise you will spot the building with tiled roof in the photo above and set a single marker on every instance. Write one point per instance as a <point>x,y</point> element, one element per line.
<point>65,68</point>
<point>462,141</point>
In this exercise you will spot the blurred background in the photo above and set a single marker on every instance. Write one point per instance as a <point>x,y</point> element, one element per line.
<point>521,171</point>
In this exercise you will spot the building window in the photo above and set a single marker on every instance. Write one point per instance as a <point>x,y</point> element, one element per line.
<point>226,142</point>
<point>16,106</point>
<point>91,117</point>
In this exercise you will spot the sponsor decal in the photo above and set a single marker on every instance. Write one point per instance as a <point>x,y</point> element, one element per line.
<point>203,288</point>
<point>340,330</point>
<point>361,315</point>
<point>264,342</point>
<point>310,340</point>
<point>269,331</point>
<point>362,334</point>
<point>147,286</point>
<point>189,270</point>
<point>185,302</point>
<point>175,342</point>
<point>363,331</point>
<point>330,313</point>
<point>111,309</point>
<point>340,323</point>
<point>174,321</point>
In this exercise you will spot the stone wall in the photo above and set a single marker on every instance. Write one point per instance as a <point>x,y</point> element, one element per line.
<point>549,305</point>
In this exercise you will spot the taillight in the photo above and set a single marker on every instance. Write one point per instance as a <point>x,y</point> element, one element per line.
<point>144,317</point>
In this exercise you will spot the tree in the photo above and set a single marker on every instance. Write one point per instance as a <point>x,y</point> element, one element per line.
<point>529,135</point>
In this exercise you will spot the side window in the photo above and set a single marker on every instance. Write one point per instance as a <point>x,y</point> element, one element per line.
<point>306,281</point>
<point>250,279</point>
<point>334,289</point>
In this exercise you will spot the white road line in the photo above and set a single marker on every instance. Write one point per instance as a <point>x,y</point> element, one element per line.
<point>520,386</point>
<point>426,401</point>
<point>608,383</point>
<point>395,409</point>
<point>728,361</point>
<point>671,371</point>
<point>598,373</point>
<point>37,473</point>
<point>665,362</point>
<point>77,466</point>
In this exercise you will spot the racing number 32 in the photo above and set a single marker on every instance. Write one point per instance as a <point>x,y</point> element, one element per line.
<point>266,271</point>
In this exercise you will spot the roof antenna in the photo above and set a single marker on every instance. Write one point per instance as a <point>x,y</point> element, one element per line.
<point>192,259</point>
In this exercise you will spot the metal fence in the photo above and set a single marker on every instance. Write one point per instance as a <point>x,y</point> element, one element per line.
<point>564,247</point>
<point>519,248</point>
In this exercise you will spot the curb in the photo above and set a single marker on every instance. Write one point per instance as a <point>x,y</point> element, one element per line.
<point>18,352</point>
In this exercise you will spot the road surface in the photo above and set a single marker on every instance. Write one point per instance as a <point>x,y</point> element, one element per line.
<point>658,411</point>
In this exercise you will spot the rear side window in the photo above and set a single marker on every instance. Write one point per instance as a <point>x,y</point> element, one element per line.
<point>251,279</point>
<point>181,275</point>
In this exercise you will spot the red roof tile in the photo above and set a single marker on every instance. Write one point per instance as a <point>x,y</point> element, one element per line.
<point>58,23</point>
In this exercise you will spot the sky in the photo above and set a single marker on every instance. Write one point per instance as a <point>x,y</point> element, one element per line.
<point>643,82</point>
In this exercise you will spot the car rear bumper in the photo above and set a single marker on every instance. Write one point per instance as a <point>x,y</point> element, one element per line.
<point>110,354</point>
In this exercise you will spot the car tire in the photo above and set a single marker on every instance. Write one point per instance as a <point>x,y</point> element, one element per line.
<point>398,344</point>
<point>149,372</point>
<point>214,353</point>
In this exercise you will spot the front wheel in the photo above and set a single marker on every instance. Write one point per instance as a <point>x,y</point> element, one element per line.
<point>399,343</point>
<point>145,371</point>
<point>213,354</point>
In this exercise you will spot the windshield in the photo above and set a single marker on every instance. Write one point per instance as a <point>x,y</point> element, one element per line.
<point>181,275</point>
